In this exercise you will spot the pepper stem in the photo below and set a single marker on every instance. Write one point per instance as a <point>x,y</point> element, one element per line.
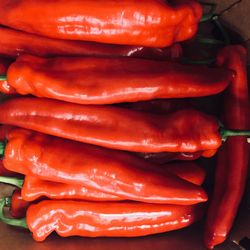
<point>208,16</point>
<point>12,181</point>
<point>3,78</point>
<point>11,221</point>
<point>7,201</point>
<point>233,132</point>
<point>2,148</point>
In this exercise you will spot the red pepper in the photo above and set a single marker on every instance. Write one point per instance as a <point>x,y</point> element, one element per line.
<point>34,188</point>
<point>113,172</point>
<point>113,127</point>
<point>4,86</point>
<point>14,43</point>
<point>111,219</point>
<point>90,80</point>
<point>166,106</point>
<point>18,206</point>
<point>231,169</point>
<point>152,23</point>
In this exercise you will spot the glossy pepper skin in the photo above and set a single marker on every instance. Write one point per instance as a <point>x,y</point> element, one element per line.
<point>152,23</point>
<point>91,80</point>
<point>113,172</point>
<point>35,188</point>
<point>109,219</point>
<point>14,43</point>
<point>189,171</point>
<point>231,171</point>
<point>166,106</point>
<point>113,127</point>
<point>18,205</point>
<point>5,88</point>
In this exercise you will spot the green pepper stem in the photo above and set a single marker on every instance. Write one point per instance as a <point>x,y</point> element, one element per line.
<point>225,133</point>
<point>10,221</point>
<point>3,78</point>
<point>12,181</point>
<point>7,201</point>
<point>2,148</point>
<point>208,16</point>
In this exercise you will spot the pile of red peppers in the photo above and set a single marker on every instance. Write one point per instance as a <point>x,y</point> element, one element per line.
<point>100,129</point>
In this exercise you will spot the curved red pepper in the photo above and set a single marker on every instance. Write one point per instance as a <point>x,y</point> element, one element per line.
<point>232,165</point>
<point>14,43</point>
<point>113,127</point>
<point>123,219</point>
<point>113,172</point>
<point>152,23</point>
<point>89,80</point>
<point>34,188</point>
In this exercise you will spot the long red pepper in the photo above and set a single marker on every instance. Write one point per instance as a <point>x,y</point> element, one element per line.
<point>231,169</point>
<point>113,127</point>
<point>34,189</point>
<point>89,80</point>
<point>113,172</point>
<point>14,43</point>
<point>150,23</point>
<point>111,219</point>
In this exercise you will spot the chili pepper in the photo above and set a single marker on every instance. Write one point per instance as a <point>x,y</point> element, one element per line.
<point>150,23</point>
<point>34,188</point>
<point>166,106</point>
<point>113,172</point>
<point>90,80</point>
<point>4,86</point>
<point>110,219</point>
<point>18,206</point>
<point>14,43</point>
<point>117,128</point>
<point>231,169</point>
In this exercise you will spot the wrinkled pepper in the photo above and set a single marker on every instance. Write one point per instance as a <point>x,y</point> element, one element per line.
<point>233,159</point>
<point>109,219</point>
<point>152,23</point>
<point>117,128</point>
<point>113,172</point>
<point>34,188</point>
<point>166,106</point>
<point>90,80</point>
<point>14,43</point>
